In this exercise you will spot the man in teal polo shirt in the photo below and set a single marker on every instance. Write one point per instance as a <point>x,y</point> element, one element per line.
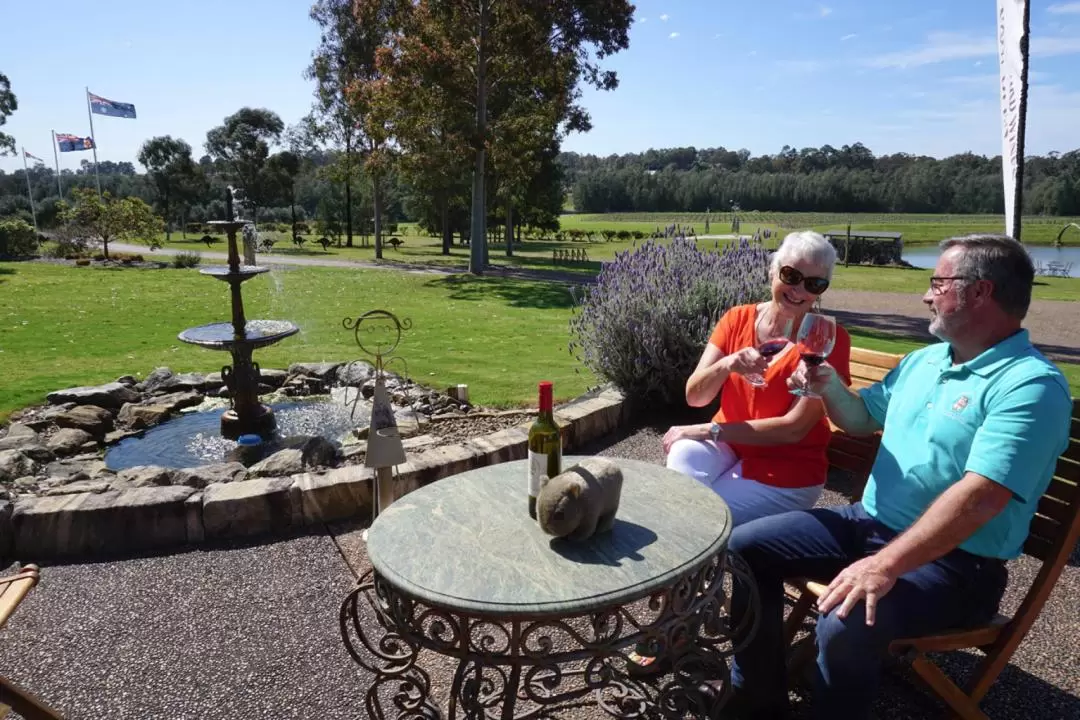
<point>971,431</point>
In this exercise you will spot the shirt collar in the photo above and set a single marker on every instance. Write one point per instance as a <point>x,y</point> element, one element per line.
<point>989,360</point>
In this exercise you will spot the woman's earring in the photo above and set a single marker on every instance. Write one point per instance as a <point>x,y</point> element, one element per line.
<point>817,304</point>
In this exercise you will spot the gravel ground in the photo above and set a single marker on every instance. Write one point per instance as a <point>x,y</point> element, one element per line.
<point>247,630</point>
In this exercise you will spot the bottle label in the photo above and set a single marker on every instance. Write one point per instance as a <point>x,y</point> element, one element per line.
<point>538,466</point>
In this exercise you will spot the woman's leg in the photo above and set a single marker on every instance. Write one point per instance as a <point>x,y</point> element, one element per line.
<point>749,499</point>
<point>702,460</point>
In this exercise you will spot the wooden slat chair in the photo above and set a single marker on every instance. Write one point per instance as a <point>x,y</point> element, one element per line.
<point>1052,536</point>
<point>13,589</point>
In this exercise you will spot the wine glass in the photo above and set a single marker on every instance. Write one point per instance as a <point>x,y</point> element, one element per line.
<point>817,335</point>
<point>769,349</point>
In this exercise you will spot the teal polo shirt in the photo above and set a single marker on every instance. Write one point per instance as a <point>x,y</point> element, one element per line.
<point>1004,415</point>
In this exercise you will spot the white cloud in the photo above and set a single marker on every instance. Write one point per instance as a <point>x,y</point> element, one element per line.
<point>945,46</point>
<point>664,17</point>
<point>849,36</point>
<point>978,63</point>
<point>673,35</point>
<point>939,47</point>
<point>1069,8</point>
<point>825,11</point>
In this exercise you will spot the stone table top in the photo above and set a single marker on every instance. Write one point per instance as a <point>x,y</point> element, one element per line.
<point>466,543</point>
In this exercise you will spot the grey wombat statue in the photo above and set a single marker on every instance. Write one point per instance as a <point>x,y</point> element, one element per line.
<point>580,501</point>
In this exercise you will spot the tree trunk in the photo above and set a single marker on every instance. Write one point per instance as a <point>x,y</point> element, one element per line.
<point>444,222</point>
<point>509,228</point>
<point>183,223</point>
<point>292,212</point>
<point>168,226</point>
<point>348,193</point>
<point>478,236</point>
<point>105,248</point>
<point>376,201</point>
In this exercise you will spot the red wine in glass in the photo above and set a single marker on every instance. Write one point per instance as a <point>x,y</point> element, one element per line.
<point>769,349</point>
<point>816,338</point>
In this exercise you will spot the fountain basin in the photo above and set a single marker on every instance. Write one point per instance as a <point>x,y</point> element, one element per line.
<point>193,438</point>
<point>257,333</point>
<point>244,272</point>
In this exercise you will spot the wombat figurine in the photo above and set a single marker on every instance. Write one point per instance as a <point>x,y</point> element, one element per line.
<point>580,501</point>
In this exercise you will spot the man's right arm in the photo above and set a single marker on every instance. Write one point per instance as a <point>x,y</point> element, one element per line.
<point>853,412</point>
<point>847,408</point>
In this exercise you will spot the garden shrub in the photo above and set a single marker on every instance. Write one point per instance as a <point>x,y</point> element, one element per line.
<point>82,262</point>
<point>186,260</point>
<point>644,323</point>
<point>17,238</point>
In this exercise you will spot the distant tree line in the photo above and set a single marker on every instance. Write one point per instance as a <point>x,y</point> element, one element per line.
<point>825,179</point>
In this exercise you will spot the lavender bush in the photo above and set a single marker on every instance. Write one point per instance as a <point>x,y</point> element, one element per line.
<point>645,322</point>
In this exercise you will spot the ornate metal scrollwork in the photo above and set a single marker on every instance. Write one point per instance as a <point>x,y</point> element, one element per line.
<point>526,667</point>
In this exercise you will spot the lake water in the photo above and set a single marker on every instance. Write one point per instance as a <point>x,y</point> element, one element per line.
<point>926,257</point>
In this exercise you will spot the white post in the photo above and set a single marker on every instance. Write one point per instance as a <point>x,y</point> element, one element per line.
<point>93,140</point>
<point>56,157</point>
<point>29,192</point>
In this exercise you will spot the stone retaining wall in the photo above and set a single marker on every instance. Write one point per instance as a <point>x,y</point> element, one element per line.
<point>147,519</point>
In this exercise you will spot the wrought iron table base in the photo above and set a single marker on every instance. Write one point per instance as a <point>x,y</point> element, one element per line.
<point>519,668</point>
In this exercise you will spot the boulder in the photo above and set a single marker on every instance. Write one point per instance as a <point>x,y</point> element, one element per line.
<point>82,486</point>
<point>111,395</point>
<point>177,401</point>
<point>200,477</point>
<point>18,435</point>
<point>90,523</point>
<point>68,441</point>
<point>147,476</point>
<point>183,381</point>
<point>272,377</point>
<point>316,451</point>
<point>39,453</point>
<point>142,416</point>
<point>356,373</point>
<point>325,371</point>
<point>93,419</point>
<point>213,382</point>
<point>338,494</point>
<point>250,507</point>
<point>13,464</point>
<point>7,532</point>
<point>155,380</point>
<point>128,380</point>
<point>284,462</point>
<point>69,470</point>
<point>117,435</point>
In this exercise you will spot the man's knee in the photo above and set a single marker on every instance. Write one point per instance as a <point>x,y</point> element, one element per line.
<point>850,639</point>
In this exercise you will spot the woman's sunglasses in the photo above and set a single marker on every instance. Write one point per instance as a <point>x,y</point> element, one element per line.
<point>813,285</point>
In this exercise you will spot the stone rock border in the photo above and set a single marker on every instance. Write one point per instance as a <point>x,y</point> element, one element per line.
<point>145,519</point>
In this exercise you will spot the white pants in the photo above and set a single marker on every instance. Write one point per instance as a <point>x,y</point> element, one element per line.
<point>716,466</point>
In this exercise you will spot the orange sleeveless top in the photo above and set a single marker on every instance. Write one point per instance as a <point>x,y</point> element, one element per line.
<point>795,465</point>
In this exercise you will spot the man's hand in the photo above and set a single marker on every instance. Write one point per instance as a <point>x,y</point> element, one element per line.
<point>747,361</point>
<point>678,432</point>
<point>815,379</point>
<point>867,579</point>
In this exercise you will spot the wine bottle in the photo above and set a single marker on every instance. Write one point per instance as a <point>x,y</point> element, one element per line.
<point>545,446</point>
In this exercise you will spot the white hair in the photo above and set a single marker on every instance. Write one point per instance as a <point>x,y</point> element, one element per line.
<point>804,245</point>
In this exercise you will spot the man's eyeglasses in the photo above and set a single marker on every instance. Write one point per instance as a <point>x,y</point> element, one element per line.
<point>938,282</point>
<point>813,285</point>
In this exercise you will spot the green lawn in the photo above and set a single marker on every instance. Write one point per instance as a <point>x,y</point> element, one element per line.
<point>62,326</point>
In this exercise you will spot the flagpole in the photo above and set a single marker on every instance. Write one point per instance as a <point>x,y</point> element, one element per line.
<point>93,138</point>
<point>29,191</point>
<point>56,156</point>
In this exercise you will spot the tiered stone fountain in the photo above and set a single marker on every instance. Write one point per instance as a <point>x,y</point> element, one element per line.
<point>240,338</point>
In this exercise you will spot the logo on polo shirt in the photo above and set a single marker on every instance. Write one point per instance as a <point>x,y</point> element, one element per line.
<point>960,404</point>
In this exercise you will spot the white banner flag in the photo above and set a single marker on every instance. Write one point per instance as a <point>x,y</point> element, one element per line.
<point>1012,59</point>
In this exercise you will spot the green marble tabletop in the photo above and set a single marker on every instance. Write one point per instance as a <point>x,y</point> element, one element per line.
<point>466,543</point>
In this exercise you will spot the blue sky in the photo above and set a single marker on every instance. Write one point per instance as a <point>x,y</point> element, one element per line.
<point>918,76</point>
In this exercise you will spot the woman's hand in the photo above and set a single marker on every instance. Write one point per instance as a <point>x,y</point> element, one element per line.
<point>689,432</point>
<point>747,361</point>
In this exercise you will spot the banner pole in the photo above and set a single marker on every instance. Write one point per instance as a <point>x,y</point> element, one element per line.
<point>29,191</point>
<point>56,156</point>
<point>93,139</point>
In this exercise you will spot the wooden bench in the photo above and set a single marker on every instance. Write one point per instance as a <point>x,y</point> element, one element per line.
<point>13,589</point>
<point>1052,536</point>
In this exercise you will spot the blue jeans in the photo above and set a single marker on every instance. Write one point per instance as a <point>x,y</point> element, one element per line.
<point>959,589</point>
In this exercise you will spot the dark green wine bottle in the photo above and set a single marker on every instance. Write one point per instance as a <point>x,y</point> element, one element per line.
<point>545,446</point>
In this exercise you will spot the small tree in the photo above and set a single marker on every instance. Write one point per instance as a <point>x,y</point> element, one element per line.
<point>243,142</point>
<point>169,164</point>
<point>17,238</point>
<point>8,105</point>
<point>105,219</point>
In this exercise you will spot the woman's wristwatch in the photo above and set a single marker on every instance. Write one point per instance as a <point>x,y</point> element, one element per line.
<point>714,432</point>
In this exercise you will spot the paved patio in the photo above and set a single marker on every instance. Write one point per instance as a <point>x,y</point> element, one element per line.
<point>245,631</point>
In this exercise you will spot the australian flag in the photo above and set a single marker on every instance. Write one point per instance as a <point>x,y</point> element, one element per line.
<point>101,106</point>
<point>73,143</point>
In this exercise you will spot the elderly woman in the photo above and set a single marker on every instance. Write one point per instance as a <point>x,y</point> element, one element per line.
<point>764,452</point>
